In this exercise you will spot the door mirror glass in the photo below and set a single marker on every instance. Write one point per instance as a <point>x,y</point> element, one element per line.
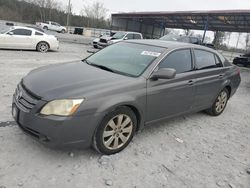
<point>164,73</point>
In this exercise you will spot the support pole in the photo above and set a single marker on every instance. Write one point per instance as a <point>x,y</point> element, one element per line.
<point>205,29</point>
<point>68,16</point>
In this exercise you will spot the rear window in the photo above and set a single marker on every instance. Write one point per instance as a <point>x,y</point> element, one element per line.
<point>137,36</point>
<point>37,33</point>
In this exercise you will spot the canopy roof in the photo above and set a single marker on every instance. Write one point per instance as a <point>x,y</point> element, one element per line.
<point>225,20</point>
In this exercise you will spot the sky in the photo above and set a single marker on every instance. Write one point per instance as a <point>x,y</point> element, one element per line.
<point>162,5</point>
<point>115,6</point>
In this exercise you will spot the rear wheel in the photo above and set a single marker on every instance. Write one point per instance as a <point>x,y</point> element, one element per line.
<point>45,27</point>
<point>42,47</point>
<point>116,131</point>
<point>219,104</point>
<point>63,31</point>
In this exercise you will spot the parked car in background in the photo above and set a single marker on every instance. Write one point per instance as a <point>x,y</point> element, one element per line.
<point>242,60</point>
<point>186,39</point>
<point>37,28</point>
<point>117,37</point>
<point>179,38</point>
<point>108,34</point>
<point>104,99</point>
<point>28,38</point>
<point>53,26</point>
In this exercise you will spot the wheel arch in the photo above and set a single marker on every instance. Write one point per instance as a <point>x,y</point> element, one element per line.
<point>130,104</point>
<point>43,41</point>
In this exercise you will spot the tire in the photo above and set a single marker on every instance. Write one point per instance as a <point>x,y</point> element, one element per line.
<point>42,47</point>
<point>45,28</point>
<point>63,31</point>
<point>95,46</point>
<point>219,104</point>
<point>119,127</point>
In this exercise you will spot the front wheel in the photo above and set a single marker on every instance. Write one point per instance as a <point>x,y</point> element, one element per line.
<point>116,131</point>
<point>219,104</point>
<point>42,47</point>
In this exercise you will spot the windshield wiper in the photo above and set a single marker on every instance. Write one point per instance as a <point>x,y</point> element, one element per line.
<point>102,67</point>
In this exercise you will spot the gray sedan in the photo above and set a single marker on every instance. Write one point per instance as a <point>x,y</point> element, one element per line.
<point>104,99</point>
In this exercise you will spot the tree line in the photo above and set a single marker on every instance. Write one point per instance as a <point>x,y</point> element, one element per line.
<point>31,11</point>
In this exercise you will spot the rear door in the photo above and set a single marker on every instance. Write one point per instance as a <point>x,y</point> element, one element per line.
<point>210,76</point>
<point>170,97</point>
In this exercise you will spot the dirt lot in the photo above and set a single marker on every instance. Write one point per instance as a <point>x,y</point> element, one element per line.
<point>215,151</point>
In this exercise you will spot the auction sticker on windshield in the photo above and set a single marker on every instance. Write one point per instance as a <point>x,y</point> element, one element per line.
<point>148,53</point>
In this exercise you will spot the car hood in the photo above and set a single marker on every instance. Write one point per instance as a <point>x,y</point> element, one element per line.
<point>71,80</point>
<point>106,38</point>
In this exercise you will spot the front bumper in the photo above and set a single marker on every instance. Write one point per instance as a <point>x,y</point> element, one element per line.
<point>55,131</point>
<point>54,46</point>
<point>102,45</point>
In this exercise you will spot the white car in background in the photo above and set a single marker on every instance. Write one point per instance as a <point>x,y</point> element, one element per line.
<point>25,38</point>
<point>117,37</point>
<point>53,26</point>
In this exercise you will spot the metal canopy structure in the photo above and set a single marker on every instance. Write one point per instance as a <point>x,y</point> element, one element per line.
<point>225,20</point>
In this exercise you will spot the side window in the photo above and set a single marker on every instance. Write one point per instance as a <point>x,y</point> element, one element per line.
<point>23,32</point>
<point>137,36</point>
<point>37,33</point>
<point>218,61</point>
<point>180,60</point>
<point>204,59</point>
<point>194,40</point>
<point>47,22</point>
<point>53,23</point>
<point>130,36</point>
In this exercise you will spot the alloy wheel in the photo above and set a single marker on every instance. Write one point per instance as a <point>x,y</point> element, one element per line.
<point>117,132</point>
<point>221,102</point>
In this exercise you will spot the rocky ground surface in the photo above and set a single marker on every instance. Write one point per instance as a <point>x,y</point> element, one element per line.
<point>191,151</point>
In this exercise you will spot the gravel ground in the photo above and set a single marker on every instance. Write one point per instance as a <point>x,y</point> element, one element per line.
<point>190,151</point>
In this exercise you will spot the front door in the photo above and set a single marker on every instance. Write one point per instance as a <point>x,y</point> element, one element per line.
<point>170,97</point>
<point>18,39</point>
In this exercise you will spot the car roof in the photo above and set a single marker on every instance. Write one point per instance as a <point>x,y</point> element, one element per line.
<point>128,32</point>
<point>30,28</point>
<point>169,44</point>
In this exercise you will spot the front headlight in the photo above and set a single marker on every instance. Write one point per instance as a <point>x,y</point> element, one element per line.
<point>110,42</point>
<point>64,107</point>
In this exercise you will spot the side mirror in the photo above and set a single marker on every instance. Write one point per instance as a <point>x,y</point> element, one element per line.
<point>126,38</point>
<point>10,33</point>
<point>100,35</point>
<point>92,51</point>
<point>164,73</point>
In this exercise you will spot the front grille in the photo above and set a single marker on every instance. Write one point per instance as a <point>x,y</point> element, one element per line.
<point>103,40</point>
<point>25,99</point>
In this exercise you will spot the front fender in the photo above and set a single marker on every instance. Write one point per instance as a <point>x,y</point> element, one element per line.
<point>138,104</point>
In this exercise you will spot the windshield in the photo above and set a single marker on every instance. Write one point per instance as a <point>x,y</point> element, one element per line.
<point>4,29</point>
<point>126,58</point>
<point>119,35</point>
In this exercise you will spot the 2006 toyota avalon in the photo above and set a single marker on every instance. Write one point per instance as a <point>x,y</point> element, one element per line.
<point>103,100</point>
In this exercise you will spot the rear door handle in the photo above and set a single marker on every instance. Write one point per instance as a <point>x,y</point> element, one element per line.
<point>190,82</point>
<point>221,75</point>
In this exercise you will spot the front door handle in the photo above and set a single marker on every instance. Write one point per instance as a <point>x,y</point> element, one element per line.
<point>190,82</point>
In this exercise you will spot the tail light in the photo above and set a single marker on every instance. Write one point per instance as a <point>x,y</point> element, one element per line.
<point>238,71</point>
